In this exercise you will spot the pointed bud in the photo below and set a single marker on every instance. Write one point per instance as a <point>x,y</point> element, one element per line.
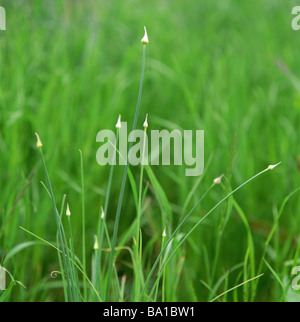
<point>96,245</point>
<point>39,142</point>
<point>118,125</point>
<point>146,122</point>
<point>218,179</point>
<point>164,233</point>
<point>271,167</point>
<point>68,212</point>
<point>102,213</point>
<point>145,39</point>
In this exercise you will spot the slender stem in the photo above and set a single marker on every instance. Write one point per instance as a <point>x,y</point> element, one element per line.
<point>163,279</point>
<point>83,225</point>
<point>73,257</point>
<point>61,236</point>
<point>139,210</point>
<point>233,288</point>
<point>119,207</point>
<point>102,220</point>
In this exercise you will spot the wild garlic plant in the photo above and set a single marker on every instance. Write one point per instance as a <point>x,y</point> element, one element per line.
<point>105,284</point>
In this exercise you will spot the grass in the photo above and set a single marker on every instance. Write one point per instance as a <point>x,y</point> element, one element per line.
<point>68,70</point>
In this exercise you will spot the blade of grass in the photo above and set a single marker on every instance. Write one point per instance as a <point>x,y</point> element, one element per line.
<point>103,220</point>
<point>277,278</point>
<point>138,254</point>
<point>272,231</point>
<point>66,258</point>
<point>71,242</point>
<point>83,224</point>
<point>235,287</point>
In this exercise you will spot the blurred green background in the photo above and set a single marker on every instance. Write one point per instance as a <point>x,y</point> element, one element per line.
<point>69,68</point>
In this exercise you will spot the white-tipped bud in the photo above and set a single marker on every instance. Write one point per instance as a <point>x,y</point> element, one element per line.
<point>96,245</point>
<point>145,39</point>
<point>272,166</point>
<point>39,142</point>
<point>146,122</point>
<point>164,233</point>
<point>102,213</point>
<point>218,179</point>
<point>118,125</point>
<point>68,212</point>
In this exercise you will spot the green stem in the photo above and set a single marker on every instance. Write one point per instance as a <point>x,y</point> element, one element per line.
<point>83,225</point>
<point>119,207</point>
<point>137,255</point>
<point>61,237</point>
<point>103,220</point>
<point>73,258</point>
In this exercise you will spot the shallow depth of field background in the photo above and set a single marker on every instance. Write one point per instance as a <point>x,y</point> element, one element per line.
<point>231,68</point>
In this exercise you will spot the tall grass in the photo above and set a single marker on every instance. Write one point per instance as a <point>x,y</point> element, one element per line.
<point>67,85</point>
<point>68,253</point>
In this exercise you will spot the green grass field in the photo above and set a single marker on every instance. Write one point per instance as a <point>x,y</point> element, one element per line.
<point>68,69</point>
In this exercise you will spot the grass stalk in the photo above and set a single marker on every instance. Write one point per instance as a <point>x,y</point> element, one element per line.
<point>71,241</point>
<point>235,287</point>
<point>61,235</point>
<point>83,225</point>
<point>138,258</point>
<point>120,202</point>
<point>102,220</point>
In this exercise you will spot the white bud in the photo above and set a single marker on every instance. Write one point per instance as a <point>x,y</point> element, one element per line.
<point>145,39</point>
<point>39,142</point>
<point>164,233</point>
<point>146,122</point>
<point>218,179</point>
<point>118,125</point>
<point>68,212</point>
<point>102,213</point>
<point>271,167</point>
<point>96,245</point>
